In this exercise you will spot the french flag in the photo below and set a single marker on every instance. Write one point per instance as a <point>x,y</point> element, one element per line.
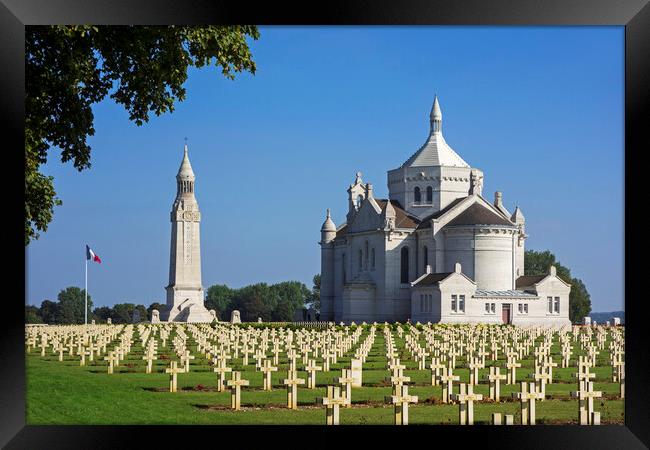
<point>90,255</point>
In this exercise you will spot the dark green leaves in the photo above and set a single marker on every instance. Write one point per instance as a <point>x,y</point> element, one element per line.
<point>69,68</point>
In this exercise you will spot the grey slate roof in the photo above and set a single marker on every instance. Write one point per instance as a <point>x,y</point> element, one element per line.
<point>402,218</point>
<point>435,152</point>
<point>426,222</point>
<point>433,278</point>
<point>509,293</point>
<point>478,214</point>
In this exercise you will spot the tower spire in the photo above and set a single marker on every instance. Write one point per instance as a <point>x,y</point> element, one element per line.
<point>185,176</point>
<point>436,116</point>
<point>185,171</point>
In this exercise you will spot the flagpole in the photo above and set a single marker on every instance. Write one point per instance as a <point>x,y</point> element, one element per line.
<point>86,292</point>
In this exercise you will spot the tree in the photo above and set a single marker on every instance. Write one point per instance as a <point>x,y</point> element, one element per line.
<point>142,313</point>
<point>538,263</point>
<point>69,68</point>
<point>253,302</point>
<point>314,299</point>
<point>283,312</point>
<point>32,314</point>
<point>155,305</point>
<point>123,313</point>
<point>219,297</point>
<point>579,300</point>
<point>291,295</point>
<point>102,313</point>
<point>71,306</point>
<point>49,311</point>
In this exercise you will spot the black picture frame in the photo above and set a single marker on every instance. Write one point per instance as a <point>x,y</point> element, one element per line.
<point>634,15</point>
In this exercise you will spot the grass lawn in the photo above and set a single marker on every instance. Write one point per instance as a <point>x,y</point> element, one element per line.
<point>65,393</point>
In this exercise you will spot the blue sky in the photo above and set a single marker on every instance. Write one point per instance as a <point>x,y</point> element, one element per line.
<point>538,109</point>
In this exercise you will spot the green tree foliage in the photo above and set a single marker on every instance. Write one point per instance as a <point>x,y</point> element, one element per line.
<point>143,68</point>
<point>538,263</point>
<point>33,314</point>
<point>291,295</point>
<point>276,302</point>
<point>155,305</point>
<point>219,297</point>
<point>102,314</point>
<point>71,306</point>
<point>49,311</point>
<point>142,313</point>
<point>314,299</point>
<point>123,313</point>
<point>254,301</point>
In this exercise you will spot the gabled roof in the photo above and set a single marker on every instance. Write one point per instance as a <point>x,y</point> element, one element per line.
<point>402,218</point>
<point>426,222</point>
<point>432,278</point>
<point>528,280</point>
<point>478,214</point>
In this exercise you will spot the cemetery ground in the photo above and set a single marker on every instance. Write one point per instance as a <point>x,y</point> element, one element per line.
<point>64,392</point>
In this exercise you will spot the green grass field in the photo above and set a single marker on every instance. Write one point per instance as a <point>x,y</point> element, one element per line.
<point>65,393</point>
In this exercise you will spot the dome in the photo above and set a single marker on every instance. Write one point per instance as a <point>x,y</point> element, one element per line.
<point>328,225</point>
<point>185,171</point>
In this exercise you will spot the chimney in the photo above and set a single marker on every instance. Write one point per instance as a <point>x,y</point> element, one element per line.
<point>498,199</point>
<point>369,190</point>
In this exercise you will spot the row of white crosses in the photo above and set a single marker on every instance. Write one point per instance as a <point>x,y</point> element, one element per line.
<point>586,394</point>
<point>306,346</point>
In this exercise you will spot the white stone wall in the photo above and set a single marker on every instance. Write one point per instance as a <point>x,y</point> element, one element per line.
<point>494,259</point>
<point>455,183</point>
<point>397,304</point>
<point>327,281</point>
<point>417,314</point>
<point>520,249</point>
<point>553,286</point>
<point>458,248</point>
<point>448,183</point>
<point>341,272</point>
<point>359,303</point>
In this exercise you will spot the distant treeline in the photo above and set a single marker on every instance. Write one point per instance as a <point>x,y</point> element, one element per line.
<point>276,302</point>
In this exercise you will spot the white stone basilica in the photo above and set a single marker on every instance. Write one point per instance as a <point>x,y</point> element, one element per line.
<point>184,291</point>
<point>435,250</point>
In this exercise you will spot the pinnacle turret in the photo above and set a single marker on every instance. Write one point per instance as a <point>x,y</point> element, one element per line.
<point>328,225</point>
<point>185,171</point>
<point>328,230</point>
<point>436,116</point>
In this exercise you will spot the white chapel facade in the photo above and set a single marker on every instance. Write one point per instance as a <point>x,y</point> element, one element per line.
<point>436,250</point>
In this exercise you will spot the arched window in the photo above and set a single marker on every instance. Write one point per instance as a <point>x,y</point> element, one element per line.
<point>360,259</point>
<point>372,259</point>
<point>417,196</point>
<point>343,267</point>
<point>404,265</point>
<point>425,258</point>
<point>359,200</point>
<point>429,194</point>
